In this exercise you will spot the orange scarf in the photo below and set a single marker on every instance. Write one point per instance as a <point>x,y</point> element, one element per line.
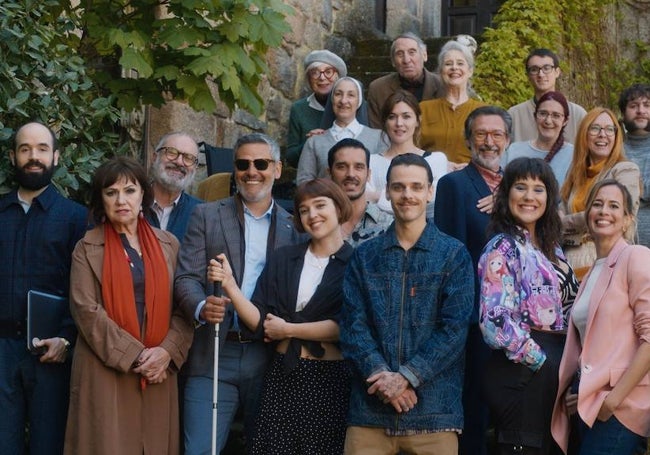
<point>580,197</point>
<point>117,285</point>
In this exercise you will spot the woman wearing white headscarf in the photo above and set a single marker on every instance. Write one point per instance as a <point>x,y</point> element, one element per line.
<point>347,97</point>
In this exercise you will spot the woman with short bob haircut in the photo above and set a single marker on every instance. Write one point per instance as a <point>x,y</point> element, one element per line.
<point>295,307</point>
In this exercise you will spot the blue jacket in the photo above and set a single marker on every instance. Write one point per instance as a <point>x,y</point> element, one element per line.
<point>456,214</point>
<point>408,311</point>
<point>180,216</point>
<point>36,252</point>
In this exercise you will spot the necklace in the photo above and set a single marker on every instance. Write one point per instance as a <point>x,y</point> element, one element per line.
<point>314,261</point>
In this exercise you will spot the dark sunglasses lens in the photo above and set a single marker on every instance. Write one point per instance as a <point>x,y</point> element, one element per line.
<point>241,165</point>
<point>261,165</point>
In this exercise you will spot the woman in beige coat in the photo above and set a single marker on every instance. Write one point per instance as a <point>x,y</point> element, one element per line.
<point>132,341</point>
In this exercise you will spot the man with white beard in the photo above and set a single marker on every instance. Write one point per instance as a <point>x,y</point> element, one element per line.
<point>174,164</point>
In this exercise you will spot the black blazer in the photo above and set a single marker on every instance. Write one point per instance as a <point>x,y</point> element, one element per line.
<point>276,292</point>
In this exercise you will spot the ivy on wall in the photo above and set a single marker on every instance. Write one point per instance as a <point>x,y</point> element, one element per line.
<point>594,67</point>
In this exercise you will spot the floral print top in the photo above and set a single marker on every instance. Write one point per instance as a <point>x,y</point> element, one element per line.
<point>520,290</point>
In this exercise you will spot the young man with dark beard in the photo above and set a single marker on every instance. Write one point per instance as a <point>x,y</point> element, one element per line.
<point>349,167</point>
<point>634,104</point>
<point>39,231</point>
<point>172,172</point>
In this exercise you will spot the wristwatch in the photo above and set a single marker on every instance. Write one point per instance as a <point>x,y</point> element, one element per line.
<point>66,343</point>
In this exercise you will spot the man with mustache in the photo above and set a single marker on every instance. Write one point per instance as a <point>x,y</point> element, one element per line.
<point>348,165</point>
<point>174,165</point>
<point>634,104</point>
<point>403,326</point>
<point>462,210</point>
<point>39,229</point>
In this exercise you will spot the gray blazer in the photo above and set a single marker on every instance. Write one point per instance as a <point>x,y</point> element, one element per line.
<point>217,227</point>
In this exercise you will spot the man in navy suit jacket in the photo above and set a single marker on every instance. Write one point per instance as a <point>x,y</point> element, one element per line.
<point>462,209</point>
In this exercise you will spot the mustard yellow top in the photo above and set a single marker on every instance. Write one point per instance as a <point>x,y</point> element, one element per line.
<point>443,128</point>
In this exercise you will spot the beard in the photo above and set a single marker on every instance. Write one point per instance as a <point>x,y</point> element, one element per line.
<point>34,181</point>
<point>170,182</point>
<point>631,126</point>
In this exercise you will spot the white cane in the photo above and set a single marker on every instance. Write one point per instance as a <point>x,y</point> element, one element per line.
<point>215,373</point>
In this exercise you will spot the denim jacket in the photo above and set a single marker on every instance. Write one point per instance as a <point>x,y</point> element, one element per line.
<point>408,312</point>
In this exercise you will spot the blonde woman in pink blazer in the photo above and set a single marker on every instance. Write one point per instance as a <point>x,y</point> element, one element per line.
<point>606,358</point>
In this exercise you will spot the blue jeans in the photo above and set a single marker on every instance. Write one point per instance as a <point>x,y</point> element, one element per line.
<point>610,437</point>
<point>241,375</point>
<point>31,393</point>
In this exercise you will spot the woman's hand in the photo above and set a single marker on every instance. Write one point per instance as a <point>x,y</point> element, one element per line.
<point>275,328</point>
<point>153,364</point>
<point>219,270</point>
<point>571,402</point>
<point>486,204</point>
<point>607,408</point>
<point>315,132</point>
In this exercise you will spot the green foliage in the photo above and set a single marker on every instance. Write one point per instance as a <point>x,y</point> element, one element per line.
<point>199,45</point>
<point>43,78</point>
<point>520,26</point>
<point>594,69</point>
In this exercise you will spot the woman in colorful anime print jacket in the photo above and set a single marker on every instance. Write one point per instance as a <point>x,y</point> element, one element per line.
<point>521,307</point>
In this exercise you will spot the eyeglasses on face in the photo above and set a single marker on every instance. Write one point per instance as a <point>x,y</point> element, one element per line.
<point>172,154</point>
<point>315,73</point>
<point>534,70</point>
<point>594,130</point>
<point>261,164</point>
<point>497,135</point>
<point>543,115</point>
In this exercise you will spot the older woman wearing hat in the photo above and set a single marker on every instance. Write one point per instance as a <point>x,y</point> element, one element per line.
<point>322,69</point>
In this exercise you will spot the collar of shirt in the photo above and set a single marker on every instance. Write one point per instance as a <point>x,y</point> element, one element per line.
<point>314,104</point>
<point>256,233</point>
<point>352,130</point>
<point>159,208</point>
<point>492,178</point>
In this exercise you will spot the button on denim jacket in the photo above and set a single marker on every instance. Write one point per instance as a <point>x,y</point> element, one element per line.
<point>408,311</point>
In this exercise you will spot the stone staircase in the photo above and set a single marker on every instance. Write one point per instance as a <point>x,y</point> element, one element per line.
<point>371,58</point>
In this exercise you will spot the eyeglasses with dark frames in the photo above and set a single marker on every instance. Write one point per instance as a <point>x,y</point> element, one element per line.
<point>594,130</point>
<point>172,154</point>
<point>261,164</point>
<point>315,73</point>
<point>545,69</point>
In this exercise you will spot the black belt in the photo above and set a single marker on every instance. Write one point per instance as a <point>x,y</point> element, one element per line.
<point>12,329</point>
<point>233,335</point>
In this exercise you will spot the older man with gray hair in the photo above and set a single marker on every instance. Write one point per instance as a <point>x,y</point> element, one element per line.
<point>175,159</point>
<point>407,54</point>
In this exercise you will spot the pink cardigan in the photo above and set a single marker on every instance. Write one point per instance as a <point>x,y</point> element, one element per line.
<point>618,321</point>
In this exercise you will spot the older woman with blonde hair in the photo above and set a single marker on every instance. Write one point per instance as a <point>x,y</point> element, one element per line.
<point>443,119</point>
<point>597,155</point>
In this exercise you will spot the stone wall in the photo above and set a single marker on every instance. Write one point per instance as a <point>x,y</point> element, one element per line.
<point>316,24</point>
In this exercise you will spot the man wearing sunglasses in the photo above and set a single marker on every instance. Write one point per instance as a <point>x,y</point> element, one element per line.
<point>172,172</point>
<point>247,227</point>
<point>543,68</point>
